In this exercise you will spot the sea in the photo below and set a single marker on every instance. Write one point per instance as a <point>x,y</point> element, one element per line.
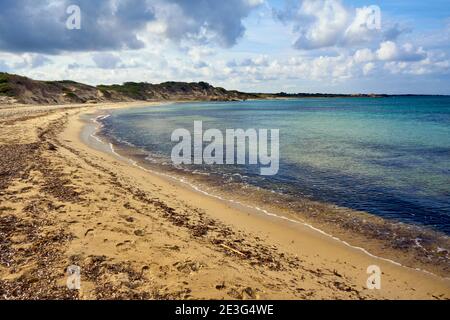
<point>388,157</point>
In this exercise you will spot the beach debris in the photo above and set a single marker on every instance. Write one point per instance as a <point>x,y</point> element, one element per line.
<point>233,250</point>
<point>200,231</point>
<point>249,293</point>
<point>174,248</point>
<point>188,266</point>
<point>117,281</point>
<point>39,249</point>
<point>246,293</point>
<point>336,273</point>
<point>345,287</point>
<point>144,269</point>
<point>221,286</point>
<point>51,146</point>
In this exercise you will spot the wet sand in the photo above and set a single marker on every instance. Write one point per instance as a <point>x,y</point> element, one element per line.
<point>138,235</point>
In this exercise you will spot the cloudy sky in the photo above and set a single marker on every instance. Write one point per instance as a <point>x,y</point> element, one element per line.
<point>252,45</point>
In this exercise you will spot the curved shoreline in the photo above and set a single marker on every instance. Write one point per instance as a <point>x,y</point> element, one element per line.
<point>138,235</point>
<point>183,181</point>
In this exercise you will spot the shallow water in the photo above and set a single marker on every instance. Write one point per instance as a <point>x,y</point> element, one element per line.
<point>386,156</point>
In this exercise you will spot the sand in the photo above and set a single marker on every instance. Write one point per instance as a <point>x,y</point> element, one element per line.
<point>139,235</point>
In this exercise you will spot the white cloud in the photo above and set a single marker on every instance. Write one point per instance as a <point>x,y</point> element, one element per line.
<point>430,65</point>
<point>203,21</point>
<point>190,41</point>
<point>326,23</point>
<point>368,67</point>
<point>363,55</point>
<point>329,19</point>
<point>364,27</point>
<point>389,51</point>
<point>116,25</point>
<point>199,53</point>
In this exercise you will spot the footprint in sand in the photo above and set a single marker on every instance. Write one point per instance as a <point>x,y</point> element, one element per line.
<point>124,245</point>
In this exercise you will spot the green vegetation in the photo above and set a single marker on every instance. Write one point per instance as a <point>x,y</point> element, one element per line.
<point>27,90</point>
<point>67,82</point>
<point>133,90</point>
<point>62,82</point>
<point>5,88</point>
<point>4,77</point>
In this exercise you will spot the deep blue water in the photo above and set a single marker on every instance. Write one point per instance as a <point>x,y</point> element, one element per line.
<point>386,156</point>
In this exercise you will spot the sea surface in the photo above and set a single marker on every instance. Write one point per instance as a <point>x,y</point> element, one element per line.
<point>389,157</point>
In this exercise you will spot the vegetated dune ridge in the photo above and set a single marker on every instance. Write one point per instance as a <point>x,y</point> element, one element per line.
<point>15,88</point>
<point>23,90</point>
<point>136,235</point>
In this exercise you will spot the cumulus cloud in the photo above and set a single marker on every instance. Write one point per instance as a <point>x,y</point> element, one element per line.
<point>368,67</point>
<point>390,51</point>
<point>325,23</point>
<point>361,63</point>
<point>40,26</point>
<point>430,65</point>
<point>364,26</point>
<point>161,40</point>
<point>320,68</point>
<point>205,20</point>
<point>199,53</point>
<point>363,55</point>
<point>402,59</point>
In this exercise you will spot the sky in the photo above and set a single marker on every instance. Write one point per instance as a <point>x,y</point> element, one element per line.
<point>333,46</point>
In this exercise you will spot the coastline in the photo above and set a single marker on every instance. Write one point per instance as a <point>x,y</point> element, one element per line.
<point>378,237</point>
<point>138,235</point>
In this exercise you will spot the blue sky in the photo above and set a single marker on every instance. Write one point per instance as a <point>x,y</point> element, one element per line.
<point>252,45</point>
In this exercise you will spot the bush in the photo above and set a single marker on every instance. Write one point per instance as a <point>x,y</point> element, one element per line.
<point>5,88</point>
<point>130,89</point>
<point>4,77</point>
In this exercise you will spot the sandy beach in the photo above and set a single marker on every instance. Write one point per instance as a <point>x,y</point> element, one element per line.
<point>139,235</point>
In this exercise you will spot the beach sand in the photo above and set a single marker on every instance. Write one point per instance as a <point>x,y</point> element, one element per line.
<point>138,235</point>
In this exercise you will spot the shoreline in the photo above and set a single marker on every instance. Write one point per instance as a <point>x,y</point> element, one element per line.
<point>381,250</point>
<point>137,235</point>
<point>249,208</point>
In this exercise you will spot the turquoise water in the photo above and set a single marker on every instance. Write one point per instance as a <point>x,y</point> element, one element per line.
<point>386,156</point>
